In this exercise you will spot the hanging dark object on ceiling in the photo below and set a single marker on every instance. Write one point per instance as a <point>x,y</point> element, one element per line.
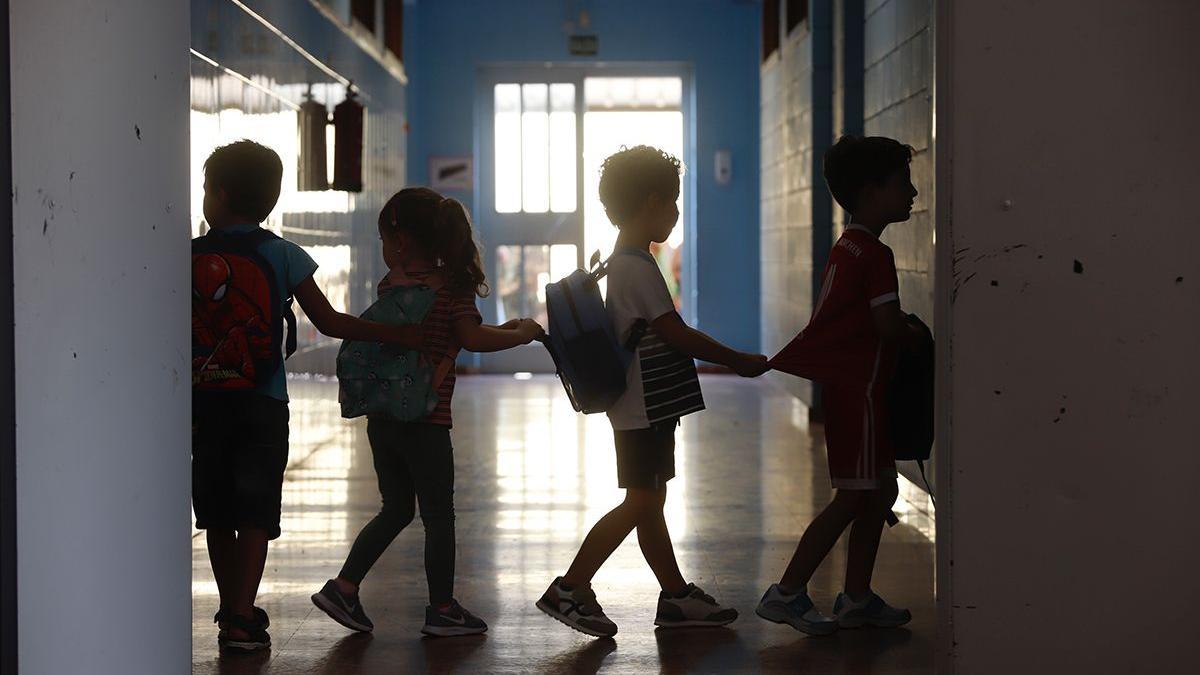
<point>313,174</point>
<point>348,118</point>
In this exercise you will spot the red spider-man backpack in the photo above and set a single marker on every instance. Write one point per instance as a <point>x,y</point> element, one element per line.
<point>238,313</point>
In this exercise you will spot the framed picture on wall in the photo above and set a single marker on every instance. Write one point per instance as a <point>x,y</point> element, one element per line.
<point>451,173</point>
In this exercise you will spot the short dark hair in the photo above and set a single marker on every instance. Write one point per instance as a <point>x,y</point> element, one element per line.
<point>854,162</point>
<point>250,174</point>
<point>629,177</point>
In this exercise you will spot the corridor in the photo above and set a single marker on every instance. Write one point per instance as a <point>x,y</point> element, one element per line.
<point>532,477</point>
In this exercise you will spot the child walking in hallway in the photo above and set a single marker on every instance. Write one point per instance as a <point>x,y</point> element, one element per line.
<point>639,188</point>
<point>243,280</point>
<point>857,325</point>
<point>427,240</point>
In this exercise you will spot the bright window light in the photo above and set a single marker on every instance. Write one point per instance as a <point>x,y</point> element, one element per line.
<point>562,148</point>
<point>624,112</point>
<point>536,160</point>
<point>563,260</point>
<point>535,149</point>
<point>633,93</point>
<point>508,148</point>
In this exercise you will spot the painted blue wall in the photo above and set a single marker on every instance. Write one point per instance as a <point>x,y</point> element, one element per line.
<point>446,40</point>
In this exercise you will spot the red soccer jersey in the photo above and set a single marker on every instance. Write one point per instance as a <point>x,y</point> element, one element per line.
<point>840,344</point>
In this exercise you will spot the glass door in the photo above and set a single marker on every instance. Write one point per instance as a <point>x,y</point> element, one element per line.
<point>528,210</point>
<point>625,111</point>
<point>541,136</point>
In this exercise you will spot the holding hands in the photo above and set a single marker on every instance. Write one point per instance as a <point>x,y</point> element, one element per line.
<point>750,365</point>
<point>528,329</point>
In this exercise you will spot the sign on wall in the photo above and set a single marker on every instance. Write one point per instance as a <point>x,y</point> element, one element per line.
<point>451,173</point>
<point>584,45</point>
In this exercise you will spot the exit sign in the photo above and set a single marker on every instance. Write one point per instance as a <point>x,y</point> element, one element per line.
<point>584,45</point>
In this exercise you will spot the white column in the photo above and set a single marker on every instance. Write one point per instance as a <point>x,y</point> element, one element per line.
<point>100,201</point>
<point>1069,249</point>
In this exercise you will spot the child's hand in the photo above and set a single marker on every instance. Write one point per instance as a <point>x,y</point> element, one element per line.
<point>529,330</point>
<point>751,365</point>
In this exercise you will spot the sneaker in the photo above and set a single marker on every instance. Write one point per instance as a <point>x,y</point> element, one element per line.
<point>342,608</point>
<point>577,608</point>
<point>454,620</point>
<point>256,638</point>
<point>260,617</point>
<point>872,611</point>
<point>695,608</point>
<point>796,611</point>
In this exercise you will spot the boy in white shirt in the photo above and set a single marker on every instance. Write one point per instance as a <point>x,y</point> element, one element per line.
<point>639,187</point>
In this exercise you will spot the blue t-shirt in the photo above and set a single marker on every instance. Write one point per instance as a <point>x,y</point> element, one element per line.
<point>292,266</point>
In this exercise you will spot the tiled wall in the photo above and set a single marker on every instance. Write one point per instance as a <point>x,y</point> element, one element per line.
<point>854,67</point>
<point>788,186</point>
<point>898,102</point>
<point>796,210</point>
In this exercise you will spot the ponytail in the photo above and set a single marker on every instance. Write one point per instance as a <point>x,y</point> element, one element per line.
<point>457,248</point>
<point>441,227</point>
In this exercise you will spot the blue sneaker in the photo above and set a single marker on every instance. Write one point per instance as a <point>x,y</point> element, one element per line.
<point>797,611</point>
<point>872,611</point>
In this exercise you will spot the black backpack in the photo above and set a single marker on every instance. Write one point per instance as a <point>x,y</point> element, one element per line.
<point>238,313</point>
<point>911,401</point>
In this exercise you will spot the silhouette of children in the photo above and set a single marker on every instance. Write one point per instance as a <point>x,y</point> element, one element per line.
<point>850,345</point>
<point>427,239</point>
<point>243,279</point>
<point>639,187</point>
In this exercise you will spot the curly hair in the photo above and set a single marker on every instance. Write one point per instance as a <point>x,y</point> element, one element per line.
<point>629,177</point>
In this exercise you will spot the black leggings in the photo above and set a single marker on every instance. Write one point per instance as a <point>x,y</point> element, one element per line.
<point>412,461</point>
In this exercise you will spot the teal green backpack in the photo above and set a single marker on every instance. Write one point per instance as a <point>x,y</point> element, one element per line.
<point>379,379</point>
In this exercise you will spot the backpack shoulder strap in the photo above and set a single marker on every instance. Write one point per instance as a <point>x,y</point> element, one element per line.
<point>435,282</point>
<point>442,371</point>
<point>636,333</point>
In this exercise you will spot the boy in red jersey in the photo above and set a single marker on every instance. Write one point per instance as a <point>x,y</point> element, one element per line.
<point>850,346</point>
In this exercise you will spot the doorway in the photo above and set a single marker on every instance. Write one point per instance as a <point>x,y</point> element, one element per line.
<point>542,136</point>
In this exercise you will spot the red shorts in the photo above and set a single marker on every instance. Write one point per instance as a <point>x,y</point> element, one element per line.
<point>857,436</point>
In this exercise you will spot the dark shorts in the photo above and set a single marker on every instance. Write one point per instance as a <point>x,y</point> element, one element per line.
<point>239,453</point>
<point>646,457</point>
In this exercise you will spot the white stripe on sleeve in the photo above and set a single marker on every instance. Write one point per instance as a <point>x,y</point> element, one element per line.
<point>885,298</point>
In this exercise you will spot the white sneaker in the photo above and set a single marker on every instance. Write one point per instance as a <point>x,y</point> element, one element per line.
<point>871,611</point>
<point>697,608</point>
<point>797,611</point>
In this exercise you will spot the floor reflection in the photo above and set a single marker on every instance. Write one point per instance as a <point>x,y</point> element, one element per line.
<point>532,476</point>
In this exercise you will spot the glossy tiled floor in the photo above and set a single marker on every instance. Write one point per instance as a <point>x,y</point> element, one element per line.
<point>532,476</point>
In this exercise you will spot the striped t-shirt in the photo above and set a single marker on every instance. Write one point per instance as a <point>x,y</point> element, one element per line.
<point>449,306</point>
<point>661,383</point>
<point>670,386</point>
